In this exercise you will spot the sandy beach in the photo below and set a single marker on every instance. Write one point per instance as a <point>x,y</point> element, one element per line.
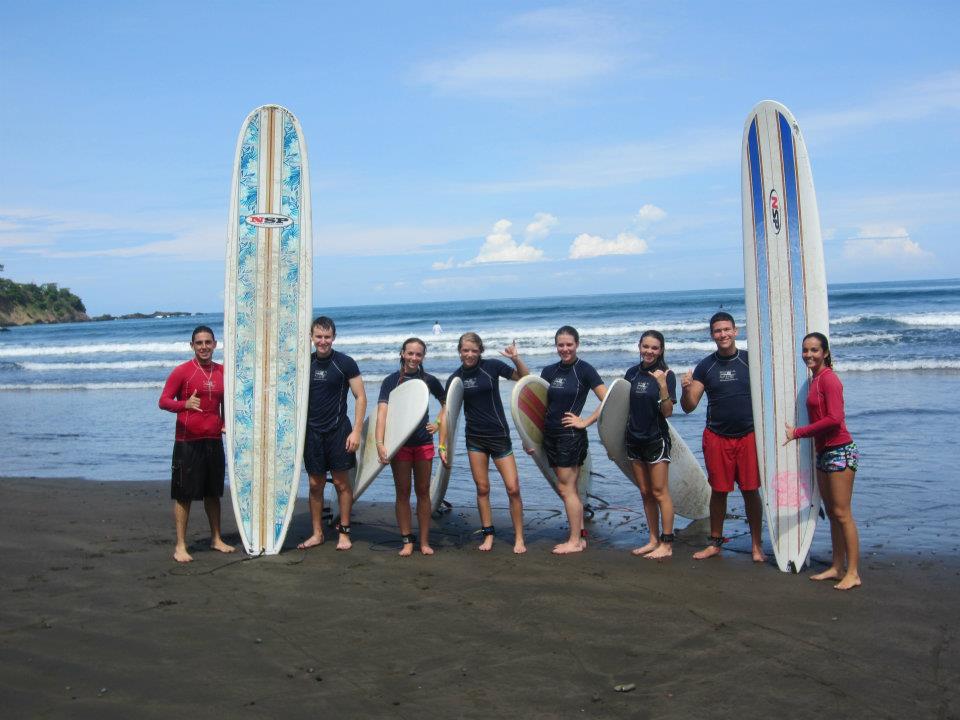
<point>97,620</point>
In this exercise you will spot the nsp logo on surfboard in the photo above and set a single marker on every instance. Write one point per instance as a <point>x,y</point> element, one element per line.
<point>775,211</point>
<point>268,220</point>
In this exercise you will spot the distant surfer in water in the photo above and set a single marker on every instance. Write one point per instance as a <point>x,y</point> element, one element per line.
<point>415,458</point>
<point>729,445</point>
<point>565,432</point>
<point>437,330</point>
<point>194,391</point>
<point>487,432</point>
<point>653,392</point>
<point>837,460</point>
<point>331,443</point>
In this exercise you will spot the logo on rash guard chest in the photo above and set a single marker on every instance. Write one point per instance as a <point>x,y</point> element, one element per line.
<point>470,383</point>
<point>641,387</point>
<point>775,210</point>
<point>320,375</point>
<point>268,220</point>
<point>558,382</point>
<point>728,375</point>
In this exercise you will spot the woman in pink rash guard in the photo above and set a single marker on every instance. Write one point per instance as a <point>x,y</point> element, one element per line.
<point>837,459</point>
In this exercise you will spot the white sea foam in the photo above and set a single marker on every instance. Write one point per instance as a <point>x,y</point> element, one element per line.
<point>900,365</point>
<point>167,348</point>
<point>924,319</point>
<point>83,386</point>
<point>83,366</point>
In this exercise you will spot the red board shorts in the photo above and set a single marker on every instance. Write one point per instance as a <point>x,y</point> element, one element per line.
<point>413,453</point>
<point>729,460</point>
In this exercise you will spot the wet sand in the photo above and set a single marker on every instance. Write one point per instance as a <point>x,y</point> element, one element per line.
<point>97,620</point>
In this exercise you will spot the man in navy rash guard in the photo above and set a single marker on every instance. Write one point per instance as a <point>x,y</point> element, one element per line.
<point>331,442</point>
<point>729,446</point>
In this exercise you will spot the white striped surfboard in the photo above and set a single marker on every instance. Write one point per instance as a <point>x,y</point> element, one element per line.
<point>267,315</point>
<point>786,297</point>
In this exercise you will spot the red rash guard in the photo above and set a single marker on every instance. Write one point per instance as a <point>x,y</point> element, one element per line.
<point>825,407</point>
<point>207,381</point>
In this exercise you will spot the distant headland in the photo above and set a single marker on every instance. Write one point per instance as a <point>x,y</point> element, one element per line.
<point>32,304</point>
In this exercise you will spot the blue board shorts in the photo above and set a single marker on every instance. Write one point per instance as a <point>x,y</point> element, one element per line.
<point>837,459</point>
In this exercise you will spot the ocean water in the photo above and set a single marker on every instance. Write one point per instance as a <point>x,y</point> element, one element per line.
<point>80,399</point>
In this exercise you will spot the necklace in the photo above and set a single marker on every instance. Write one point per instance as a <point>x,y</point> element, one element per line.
<point>208,384</point>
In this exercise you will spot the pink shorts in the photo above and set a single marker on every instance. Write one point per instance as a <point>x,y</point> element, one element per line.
<point>730,460</point>
<point>413,453</point>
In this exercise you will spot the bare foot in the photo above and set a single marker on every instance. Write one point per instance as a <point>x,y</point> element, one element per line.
<point>486,545</point>
<point>312,541</point>
<point>343,542</point>
<point>758,556</point>
<point>221,546</point>
<point>569,547</point>
<point>708,552</point>
<point>426,550</point>
<point>649,547</point>
<point>661,553</point>
<point>849,582</point>
<point>181,555</point>
<point>519,548</point>
<point>828,574</point>
<point>406,550</point>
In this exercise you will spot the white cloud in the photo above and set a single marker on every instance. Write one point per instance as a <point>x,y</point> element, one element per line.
<point>541,226</point>
<point>501,247</point>
<point>443,265</point>
<point>650,214</point>
<point>883,243</point>
<point>588,246</point>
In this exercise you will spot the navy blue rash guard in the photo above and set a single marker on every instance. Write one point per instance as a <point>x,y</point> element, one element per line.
<point>422,435</point>
<point>727,384</point>
<point>482,406</point>
<point>569,385</point>
<point>646,422</point>
<point>329,381</point>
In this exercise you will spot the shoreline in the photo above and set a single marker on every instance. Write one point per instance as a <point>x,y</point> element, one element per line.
<point>97,618</point>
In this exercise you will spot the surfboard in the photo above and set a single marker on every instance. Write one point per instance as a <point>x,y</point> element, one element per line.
<point>786,297</point>
<point>405,410</point>
<point>528,405</point>
<point>441,474</point>
<point>266,321</point>
<point>687,481</point>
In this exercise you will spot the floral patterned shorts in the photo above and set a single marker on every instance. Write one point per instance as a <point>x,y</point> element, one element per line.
<point>839,458</point>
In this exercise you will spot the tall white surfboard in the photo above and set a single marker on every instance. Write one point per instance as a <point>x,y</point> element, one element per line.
<point>687,481</point>
<point>266,322</point>
<point>786,297</point>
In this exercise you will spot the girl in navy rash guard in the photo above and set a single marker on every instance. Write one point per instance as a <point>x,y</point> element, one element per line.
<point>415,459</point>
<point>487,434</point>
<point>565,432</point>
<point>837,460</point>
<point>653,392</point>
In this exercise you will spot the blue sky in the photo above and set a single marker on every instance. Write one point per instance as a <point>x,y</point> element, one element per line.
<point>469,150</point>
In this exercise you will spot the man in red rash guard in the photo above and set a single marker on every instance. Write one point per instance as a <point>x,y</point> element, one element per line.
<point>194,391</point>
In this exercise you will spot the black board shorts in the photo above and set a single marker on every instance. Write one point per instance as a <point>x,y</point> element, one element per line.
<point>650,452</point>
<point>197,469</point>
<point>325,452</point>
<point>567,450</point>
<point>495,447</point>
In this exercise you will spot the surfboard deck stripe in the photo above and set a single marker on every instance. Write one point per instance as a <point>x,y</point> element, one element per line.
<point>786,298</point>
<point>267,312</point>
<point>533,407</point>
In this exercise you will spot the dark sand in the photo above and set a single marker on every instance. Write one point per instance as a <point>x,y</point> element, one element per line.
<point>98,621</point>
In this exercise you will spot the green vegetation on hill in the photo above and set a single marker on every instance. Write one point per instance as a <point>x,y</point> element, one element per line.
<point>29,303</point>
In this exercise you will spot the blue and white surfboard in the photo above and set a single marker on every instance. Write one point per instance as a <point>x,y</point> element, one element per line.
<point>786,297</point>
<point>266,319</point>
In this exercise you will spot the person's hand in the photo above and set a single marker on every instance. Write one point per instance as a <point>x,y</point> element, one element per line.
<point>790,436</point>
<point>193,402</point>
<point>382,454</point>
<point>353,440</point>
<point>686,379</point>
<point>444,457</point>
<point>510,351</point>
<point>571,420</point>
<point>432,428</point>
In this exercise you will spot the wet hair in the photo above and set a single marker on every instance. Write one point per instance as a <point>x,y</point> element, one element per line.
<point>202,329</point>
<point>324,323</point>
<point>470,337</point>
<point>825,344</point>
<point>420,370</point>
<point>722,315</point>
<point>567,330</point>
<point>661,363</point>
